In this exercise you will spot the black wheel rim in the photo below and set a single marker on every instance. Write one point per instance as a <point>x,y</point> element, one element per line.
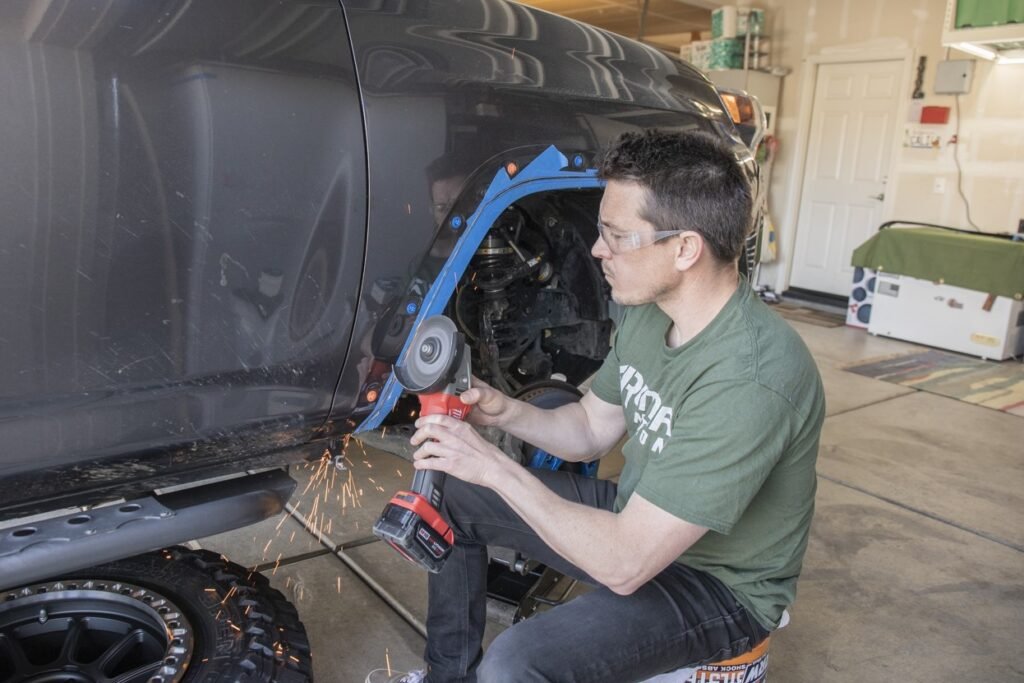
<point>92,631</point>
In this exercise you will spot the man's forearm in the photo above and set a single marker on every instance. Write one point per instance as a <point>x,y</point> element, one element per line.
<point>621,550</point>
<point>587,537</point>
<point>564,432</point>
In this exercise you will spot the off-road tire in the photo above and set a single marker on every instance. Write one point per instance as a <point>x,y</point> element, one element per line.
<point>243,630</point>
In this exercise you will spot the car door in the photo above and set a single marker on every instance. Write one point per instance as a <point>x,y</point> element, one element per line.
<point>181,242</point>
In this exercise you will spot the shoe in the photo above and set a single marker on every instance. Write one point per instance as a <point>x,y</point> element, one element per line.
<point>385,676</point>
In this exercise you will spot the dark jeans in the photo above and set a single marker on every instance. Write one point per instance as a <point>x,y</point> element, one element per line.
<point>681,617</point>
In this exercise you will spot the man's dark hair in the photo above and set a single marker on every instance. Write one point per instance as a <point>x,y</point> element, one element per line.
<point>693,182</point>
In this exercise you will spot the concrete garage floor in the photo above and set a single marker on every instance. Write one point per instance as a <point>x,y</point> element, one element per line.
<point>913,573</point>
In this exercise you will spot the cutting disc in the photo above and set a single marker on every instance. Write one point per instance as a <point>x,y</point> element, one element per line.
<point>432,356</point>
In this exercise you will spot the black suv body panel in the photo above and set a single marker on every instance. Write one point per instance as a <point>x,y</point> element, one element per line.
<point>182,238</point>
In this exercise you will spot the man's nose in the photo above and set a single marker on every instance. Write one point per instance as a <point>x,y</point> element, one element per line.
<point>600,248</point>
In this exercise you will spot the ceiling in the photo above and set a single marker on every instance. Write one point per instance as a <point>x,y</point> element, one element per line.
<point>666,19</point>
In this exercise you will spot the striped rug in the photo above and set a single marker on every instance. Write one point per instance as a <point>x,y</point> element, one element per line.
<point>984,383</point>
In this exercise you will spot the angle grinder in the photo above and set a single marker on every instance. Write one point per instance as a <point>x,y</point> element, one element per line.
<point>437,370</point>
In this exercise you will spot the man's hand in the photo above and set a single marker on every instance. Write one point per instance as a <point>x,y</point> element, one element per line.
<point>454,447</point>
<point>575,432</point>
<point>491,407</point>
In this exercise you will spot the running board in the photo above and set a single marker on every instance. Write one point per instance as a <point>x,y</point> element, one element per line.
<point>49,548</point>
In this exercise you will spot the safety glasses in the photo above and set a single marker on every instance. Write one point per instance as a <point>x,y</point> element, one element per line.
<point>622,242</point>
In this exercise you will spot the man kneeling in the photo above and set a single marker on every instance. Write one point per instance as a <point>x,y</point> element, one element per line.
<point>695,553</point>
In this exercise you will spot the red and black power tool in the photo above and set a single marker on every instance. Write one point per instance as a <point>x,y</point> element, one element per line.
<point>437,369</point>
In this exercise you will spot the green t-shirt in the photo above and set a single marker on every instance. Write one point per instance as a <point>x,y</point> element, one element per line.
<point>723,433</point>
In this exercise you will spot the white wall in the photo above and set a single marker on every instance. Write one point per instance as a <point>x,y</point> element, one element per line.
<point>991,139</point>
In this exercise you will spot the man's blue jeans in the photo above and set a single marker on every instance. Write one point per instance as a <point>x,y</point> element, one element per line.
<point>679,618</point>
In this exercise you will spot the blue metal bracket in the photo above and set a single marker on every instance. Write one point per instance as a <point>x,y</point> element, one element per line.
<point>548,171</point>
<point>542,460</point>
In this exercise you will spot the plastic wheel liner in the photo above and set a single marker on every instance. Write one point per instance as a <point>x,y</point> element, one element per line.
<point>550,170</point>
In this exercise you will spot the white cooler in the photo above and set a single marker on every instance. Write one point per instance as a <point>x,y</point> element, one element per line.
<point>948,317</point>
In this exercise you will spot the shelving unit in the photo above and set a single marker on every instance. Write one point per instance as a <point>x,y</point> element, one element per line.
<point>1002,44</point>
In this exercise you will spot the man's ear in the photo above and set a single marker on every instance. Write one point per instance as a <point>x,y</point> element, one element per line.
<point>689,248</point>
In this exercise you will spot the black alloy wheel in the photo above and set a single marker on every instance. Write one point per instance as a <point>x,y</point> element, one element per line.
<point>93,631</point>
<point>171,616</point>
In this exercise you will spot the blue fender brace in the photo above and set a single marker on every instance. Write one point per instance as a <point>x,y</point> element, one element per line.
<point>550,170</point>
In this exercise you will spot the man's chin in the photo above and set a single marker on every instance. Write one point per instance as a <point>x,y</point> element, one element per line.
<point>623,300</point>
<point>635,298</point>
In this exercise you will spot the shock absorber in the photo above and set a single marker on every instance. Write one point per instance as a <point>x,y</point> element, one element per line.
<point>492,262</point>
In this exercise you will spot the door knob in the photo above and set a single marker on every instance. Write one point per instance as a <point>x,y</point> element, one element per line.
<point>880,196</point>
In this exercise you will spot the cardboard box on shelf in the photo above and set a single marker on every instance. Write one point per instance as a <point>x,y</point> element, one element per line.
<point>700,53</point>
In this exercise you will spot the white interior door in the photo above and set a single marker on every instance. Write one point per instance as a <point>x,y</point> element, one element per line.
<point>853,122</point>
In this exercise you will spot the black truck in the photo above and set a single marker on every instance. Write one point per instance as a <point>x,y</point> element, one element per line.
<point>219,224</point>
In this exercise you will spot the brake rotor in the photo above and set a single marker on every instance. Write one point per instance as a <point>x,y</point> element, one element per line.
<point>432,358</point>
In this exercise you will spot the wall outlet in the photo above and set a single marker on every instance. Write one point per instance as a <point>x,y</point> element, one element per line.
<point>939,185</point>
<point>920,139</point>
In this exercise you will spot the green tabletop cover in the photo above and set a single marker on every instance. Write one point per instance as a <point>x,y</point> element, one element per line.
<point>979,262</point>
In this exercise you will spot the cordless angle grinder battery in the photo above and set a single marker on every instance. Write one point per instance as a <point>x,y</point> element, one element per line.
<point>437,370</point>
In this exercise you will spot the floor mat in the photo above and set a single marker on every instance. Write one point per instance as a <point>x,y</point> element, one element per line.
<point>811,316</point>
<point>984,383</point>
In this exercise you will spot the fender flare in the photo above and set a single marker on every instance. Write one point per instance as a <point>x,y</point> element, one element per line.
<point>550,170</point>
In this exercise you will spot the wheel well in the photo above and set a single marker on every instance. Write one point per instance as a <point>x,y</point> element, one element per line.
<point>532,301</point>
